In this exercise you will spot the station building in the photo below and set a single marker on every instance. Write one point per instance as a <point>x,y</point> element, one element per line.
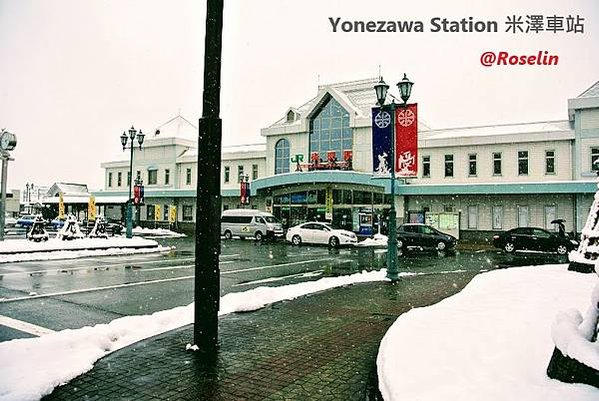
<point>316,164</point>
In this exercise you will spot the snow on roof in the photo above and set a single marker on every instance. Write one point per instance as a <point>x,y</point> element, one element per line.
<point>358,94</point>
<point>250,147</point>
<point>176,127</point>
<point>233,149</point>
<point>593,91</point>
<point>68,189</point>
<point>499,129</point>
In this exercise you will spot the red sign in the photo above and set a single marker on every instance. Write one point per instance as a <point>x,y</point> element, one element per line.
<point>245,192</point>
<point>406,140</point>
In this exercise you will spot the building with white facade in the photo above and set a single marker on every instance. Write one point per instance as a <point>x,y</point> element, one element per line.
<point>316,163</point>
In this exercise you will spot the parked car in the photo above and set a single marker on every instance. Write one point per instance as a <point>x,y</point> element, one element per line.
<point>533,239</point>
<point>320,233</point>
<point>25,220</point>
<point>250,223</point>
<point>424,236</point>
<point>57,223</point>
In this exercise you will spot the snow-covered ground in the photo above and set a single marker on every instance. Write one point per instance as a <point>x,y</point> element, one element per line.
<point>21,250</point>
<point>492,341</point>
<point>31,368</point>
<point>156,232</point>
<point>378,240</point>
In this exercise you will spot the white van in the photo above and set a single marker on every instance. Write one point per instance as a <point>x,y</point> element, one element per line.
<point>250,223</point>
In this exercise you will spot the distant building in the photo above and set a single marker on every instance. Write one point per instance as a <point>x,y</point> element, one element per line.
<point>317,162</point>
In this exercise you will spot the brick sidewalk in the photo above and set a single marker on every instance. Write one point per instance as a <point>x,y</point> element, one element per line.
<point>318,347</point>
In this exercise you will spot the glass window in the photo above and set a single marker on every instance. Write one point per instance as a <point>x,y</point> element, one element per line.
<point>448,165</point>
<point>167,176</point>
<point>240,172</point>
<point>549,162</point>
<point>336,196</point>
<point>109,179</point>
<point>523,162</point>
<point>165,212</point>
<point>377,198</point>
<point>227,174</point>
<point>128,177</point>
<point>188,177</point>
<point>152,177</point>
<point>347,196</point>
<point>497,163</point>
<point>472,217</point>
<point>522,216</point>
<point>497,217</point>
<point>472,164</point>
<point>550,215</point>
<point>149,212</point>
<point>254,171</point>
<point>594,159</point>
<point>426,166</point>
<point>119,179</point>
<point>187,212</point>
<point>282,156</point>
<point>330,131</point>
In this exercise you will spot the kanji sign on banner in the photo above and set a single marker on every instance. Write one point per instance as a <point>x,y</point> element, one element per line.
<point>406,140</point>
<point>157,213</point>
<point>172,214</point>
<point>381,142</point>
<point>245,192</point>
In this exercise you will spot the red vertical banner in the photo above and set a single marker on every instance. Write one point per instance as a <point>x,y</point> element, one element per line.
<point>406,140</point>
<point>242,191</point>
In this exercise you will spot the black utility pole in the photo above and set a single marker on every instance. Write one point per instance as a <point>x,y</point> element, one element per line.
<point>208,201</point>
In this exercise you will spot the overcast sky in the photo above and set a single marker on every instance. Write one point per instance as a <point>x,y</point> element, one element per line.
<point>75,73</point>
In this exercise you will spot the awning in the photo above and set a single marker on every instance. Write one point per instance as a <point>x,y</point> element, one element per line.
<point>107,200</point>
<point>66,199</point>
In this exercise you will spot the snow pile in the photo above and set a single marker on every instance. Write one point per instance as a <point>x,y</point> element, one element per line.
<point>375,241</point>
<point>492,341</point>
<point>32,367</point>
<point>157,232</point>
<point>573,335</point>
<point>23,250</point>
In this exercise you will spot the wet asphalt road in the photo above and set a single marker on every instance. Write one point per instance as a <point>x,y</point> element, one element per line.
<point>73,293</point>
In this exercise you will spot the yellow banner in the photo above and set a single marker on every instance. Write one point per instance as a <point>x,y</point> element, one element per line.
<point>91,208</point>
<point>60,206</point>
<point>157,213</point>
<point>172,214</point>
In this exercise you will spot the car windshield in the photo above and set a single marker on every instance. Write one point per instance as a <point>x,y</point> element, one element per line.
<point>270,219</point>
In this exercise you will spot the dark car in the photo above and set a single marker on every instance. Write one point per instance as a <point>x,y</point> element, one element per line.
<point>533,239</point>
<point>25,221</point>
<point>421,235</point>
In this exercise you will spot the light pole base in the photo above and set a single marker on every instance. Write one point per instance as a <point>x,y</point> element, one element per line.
<point>129,219</point>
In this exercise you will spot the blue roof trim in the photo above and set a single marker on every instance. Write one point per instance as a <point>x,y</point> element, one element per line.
<point>349,177</point>
<point>319,177</point>
<point>566,187</point>
<point>169,193</point>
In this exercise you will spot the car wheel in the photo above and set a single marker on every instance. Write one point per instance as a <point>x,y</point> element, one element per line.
<point>441,246</point>
<point>509,247</point>
<point>296,240</point>
<point>562,250</point>
<point>258,236</point>
<point>333,242</point>
<point>228,234</point>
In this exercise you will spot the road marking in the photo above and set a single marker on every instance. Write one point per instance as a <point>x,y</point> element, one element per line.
<point>110,287</point>
<point>104,266</point>
<point>271,266</point>
<point>24,326</point>
<point>280,278</point>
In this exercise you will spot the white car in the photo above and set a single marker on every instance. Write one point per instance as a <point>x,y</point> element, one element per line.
<point>320,233</point>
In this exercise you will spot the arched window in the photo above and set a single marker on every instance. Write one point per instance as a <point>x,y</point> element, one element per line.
<point>282,156</point>
<point>330,131</point>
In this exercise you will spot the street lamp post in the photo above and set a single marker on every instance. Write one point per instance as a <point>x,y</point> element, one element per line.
<point>405,89</point>
<point>124,139</point>
<point>8,141</point>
